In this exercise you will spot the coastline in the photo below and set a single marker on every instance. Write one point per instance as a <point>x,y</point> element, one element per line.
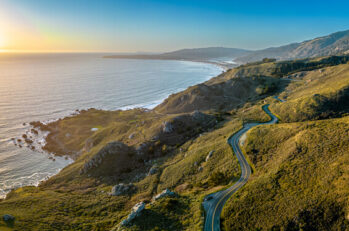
<point>224,66</point>
<point>46,126</point>
<point>148,106</point>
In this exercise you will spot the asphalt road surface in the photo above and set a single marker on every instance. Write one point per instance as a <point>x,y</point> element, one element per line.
<point>213,203</point>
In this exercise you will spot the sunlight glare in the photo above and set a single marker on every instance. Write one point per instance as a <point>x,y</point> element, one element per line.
<point>2,41</point>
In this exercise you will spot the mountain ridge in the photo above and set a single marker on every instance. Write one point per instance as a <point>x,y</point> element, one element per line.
<point>332,44</point>
<point>193,54</point>
<point>336,43</point>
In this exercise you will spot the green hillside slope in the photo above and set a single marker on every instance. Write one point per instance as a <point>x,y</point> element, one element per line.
<point>300,175</point>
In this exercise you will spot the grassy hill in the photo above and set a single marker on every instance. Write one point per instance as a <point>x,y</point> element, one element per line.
<point>324,94</point>
<point>300,165</point>
<point>300,182</point>
<point>333,44</point>
<point>301,168</point>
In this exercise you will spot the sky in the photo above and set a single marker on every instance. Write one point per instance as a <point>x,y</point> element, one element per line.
<point>164,25</point>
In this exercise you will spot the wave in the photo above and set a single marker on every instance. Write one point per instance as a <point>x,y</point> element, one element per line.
<point>33,180</point>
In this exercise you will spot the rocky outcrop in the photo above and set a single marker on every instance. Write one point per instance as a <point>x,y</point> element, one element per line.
<point>187,123</point>
<point>113,159</point>
<point>143,148</point>
<point>165,193</point>
<point>123,189</point>
<point>167,127</point>
<point>210,154</point>
<point>297,75</point>
<point>153,170</point>
<point>199,116</point>
<point>135,212</point>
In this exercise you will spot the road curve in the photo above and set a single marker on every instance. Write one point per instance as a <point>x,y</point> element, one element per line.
<point>214,206</point>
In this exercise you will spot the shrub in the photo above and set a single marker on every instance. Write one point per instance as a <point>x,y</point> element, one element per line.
<point>217,178</point>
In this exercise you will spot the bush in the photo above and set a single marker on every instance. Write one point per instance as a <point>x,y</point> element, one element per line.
<point>218,178</point>
<point>268,60</point>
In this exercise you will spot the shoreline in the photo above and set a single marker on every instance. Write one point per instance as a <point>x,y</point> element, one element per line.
<point>147,106</point>
<point>225,67</point>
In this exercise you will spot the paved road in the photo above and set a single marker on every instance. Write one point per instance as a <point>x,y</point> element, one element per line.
<point>277,98</point>
<point>214,206</point>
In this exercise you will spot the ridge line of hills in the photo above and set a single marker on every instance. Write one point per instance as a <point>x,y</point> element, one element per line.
<point>333,44</point>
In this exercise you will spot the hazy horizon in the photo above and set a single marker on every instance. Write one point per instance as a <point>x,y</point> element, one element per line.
<point>161,26</point>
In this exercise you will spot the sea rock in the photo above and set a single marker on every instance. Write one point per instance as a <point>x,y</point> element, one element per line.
<point>167,127</point>
<point>135,212</point>
<point>123,189</point>
<point>28,141</point>
<point>34,131</point>
<point>209,155</point>
<point>165,193</point>
<point>8,218</point>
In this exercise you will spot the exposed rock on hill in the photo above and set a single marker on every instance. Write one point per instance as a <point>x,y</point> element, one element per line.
<point>167,127</point>
<point>153,170</point>
<point>135,211</point>
<point>112,159</point>
<point>209,155</point>
<point>165,193</point>
<point>123,189</point>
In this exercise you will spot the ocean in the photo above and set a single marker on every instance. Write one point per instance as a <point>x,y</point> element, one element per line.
<point>45,87</point>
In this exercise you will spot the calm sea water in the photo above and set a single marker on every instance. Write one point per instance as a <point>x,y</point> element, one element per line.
<point>49,86</point>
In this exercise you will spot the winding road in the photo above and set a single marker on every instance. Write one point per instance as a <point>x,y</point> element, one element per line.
<point>213,203</point>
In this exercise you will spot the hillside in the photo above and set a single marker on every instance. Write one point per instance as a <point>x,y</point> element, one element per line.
<point>197,54</point>
<point>300,180</point>
<point>300,166</point>
<point>333,44</point>
<point>249,82</point>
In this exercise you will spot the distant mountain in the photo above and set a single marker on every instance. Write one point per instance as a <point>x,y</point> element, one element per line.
<point>196,54</point>
<point>333,44</point>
